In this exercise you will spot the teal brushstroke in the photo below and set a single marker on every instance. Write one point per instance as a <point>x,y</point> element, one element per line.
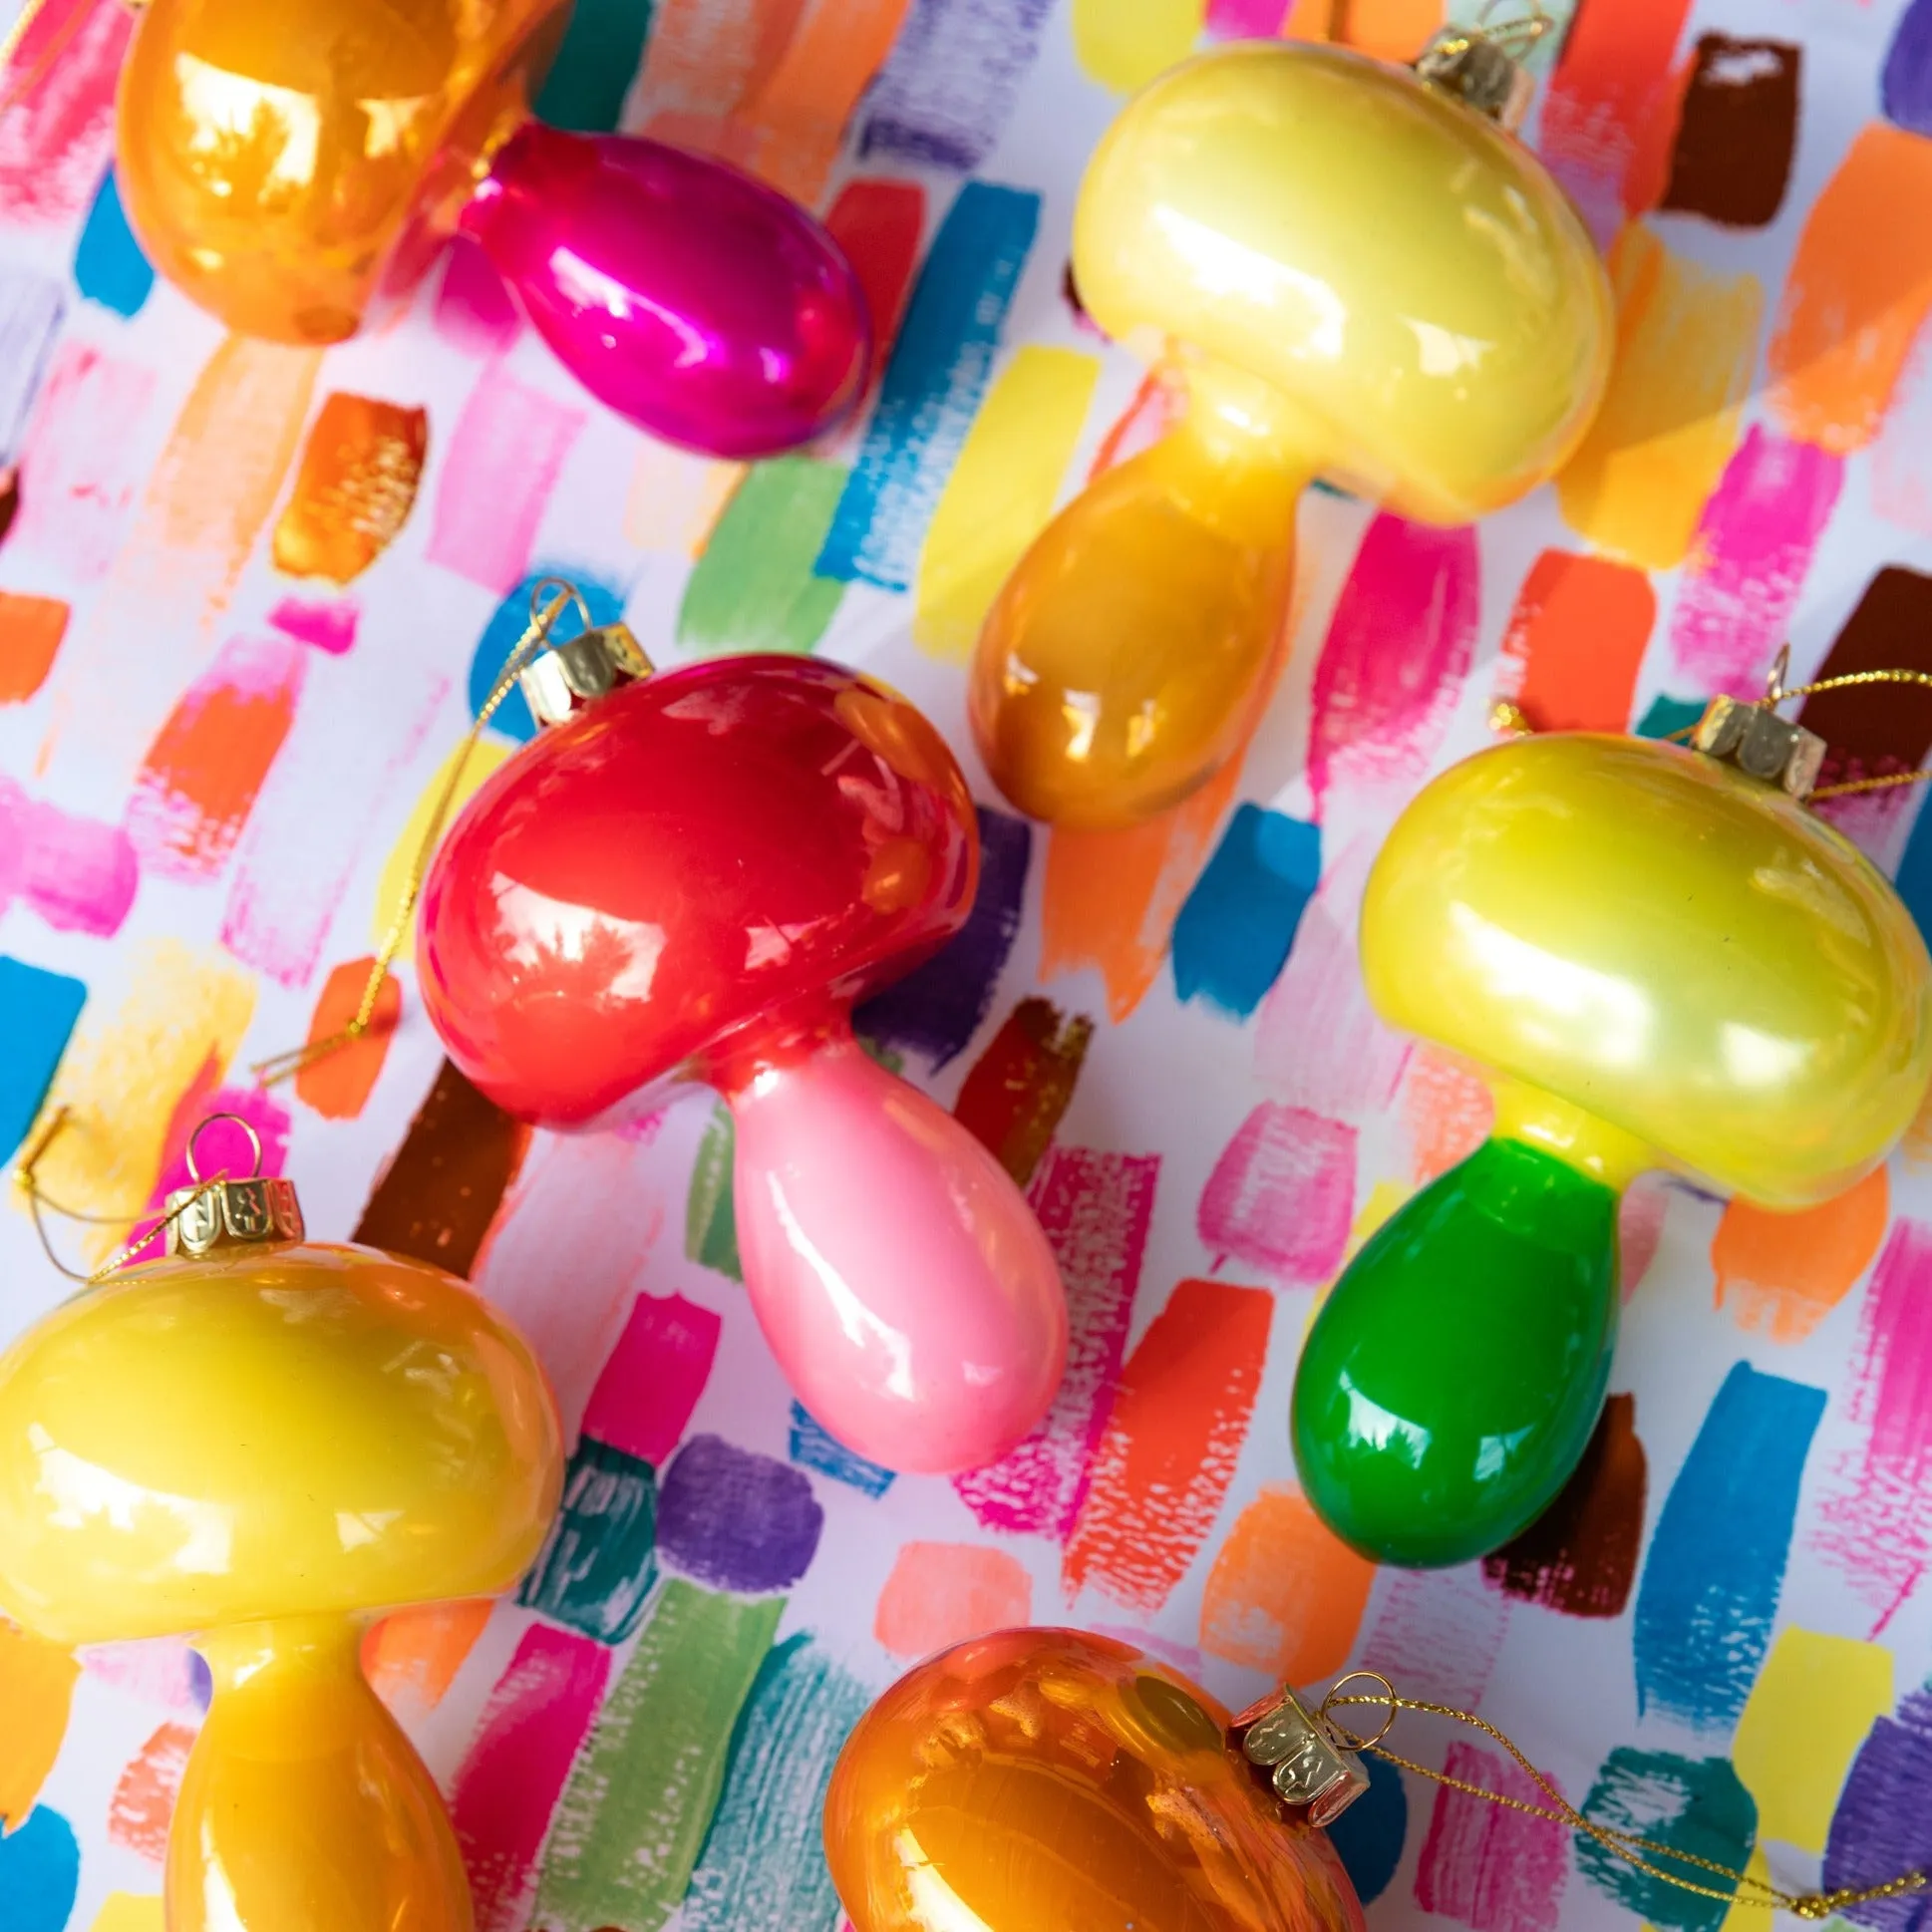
<point>596,65</point>
<point>600,1561</point>
<point>1693,1804</point>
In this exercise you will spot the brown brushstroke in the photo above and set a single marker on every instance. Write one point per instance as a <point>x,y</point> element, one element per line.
<point>1020,1087</point>
<point>435,1200</point>
<point>1873,733</point>
<point>9,499</point>
<point>1731,160</point>
<point>1580,1555</point>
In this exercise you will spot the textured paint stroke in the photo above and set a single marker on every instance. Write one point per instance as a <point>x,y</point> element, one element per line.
<point>1905,85</point>
<point>949,87</point>
<point>1812,1708</point>
<point>1396,651</point>
<point>1124,43</point>
<point>32,309</point>
<point>1693,1804</point>
<point>337,1086</point>
<point>158,1670</point>
<point>1167,1455</point>
<point>1574,642</point>
<point>1738,134</point>
<point>475,313</point>
<point>226,1145</point>
<point>38,1010</point>
<point>639,1802</point>
<point>1749,560</point>
<point>999,493</point>
<point>411,1657</point>
<point>327,624</point>
<point>1686,344</point>
<point>58,132</point>
<point>1235,929</point>
<point>596,65</point>
<point>710,1217</point>
<point>31,629</point>
<point>108,266</point>
<point>1015,1092</point>
<point>1580,1555</point>
<point>1282,1195</point>
<point>509,1785</point>
<point>1883,1824</point>
<point>1877,1520</point>
<point>879,223</point>
<point>452,785</point>
<point>676,498</point>
<point>75,873</point>
<point>1447,1108</point>
<point>762,1865</point>
<point>1484,1865</point>
<point>503,459</point>
<point>84,460</point>
<point>129,1912</point>
<point>354,489</point>
<point>1094,1209</point>
<point>815,1448</point>
<point>200,780</point>
<point>737,1520</point>
<point>435,1200</point>
<point>1716,1566</point>
<point>1369,1835</point>
<point>940,1594</point>
<point>1438,1633</point>
<point>36,1692</point>
<point>931,390</point>
<point>1859,286</point>
<point>597,1564</point>
<point>645,1397</point>
<point>40,1872</point>
<point>508,622</point>
<point>754,588</point>
<point>1247,19</point>
<point>935,1011</point>
<point>1901,455</point>
<point>142,1804</point>
<point>1286,1595</point>
<point>1890,628</point>
<point>124,1076</point>
<point>1782,1274</point>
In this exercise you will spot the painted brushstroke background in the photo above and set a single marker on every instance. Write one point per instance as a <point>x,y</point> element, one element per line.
<point>249,596</point>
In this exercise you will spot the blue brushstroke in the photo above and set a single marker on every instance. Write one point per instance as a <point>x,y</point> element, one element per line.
<point>108,266</point>
<point>1716,1564</point>
<point>932,386</point>
<point>1667,715</point>
<point>511,718</point>
<point>947,91</point>
<point>1693,1804</point>
<point>1914,878</point>
<point>762,1864</point>
<point>596,65</point>
<point>598,1562</point>
<point>1233,937</point>
<point>36,1014</point>
<point>935,1010</point>
<point>1905,84</point>
<point>812,1448</point>
<point>40,1873</point>
<point>1369,1834</point>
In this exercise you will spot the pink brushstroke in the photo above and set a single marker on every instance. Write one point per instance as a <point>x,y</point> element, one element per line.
<point>224,1147</point>
<point>1749,561</point>
<point>328,626</point>
<point>1246,19</point>
<point>1398,649</point>
<point>1875,1521</point>
<point>644,1398</point>
<point>83,461</point>
<point>1282,1194</point>
<point>1441,1630</point>
<point>1183,1656</point>
<point>76,874</point>
<point>509,446</point>
<point>475,313</point>
<point>363,719</point>
<point>156,1669</point>
<point>1640,1227</point>
<point>1318,1043</point>
<point>56,141</point>
<point>508,1785</point>
<point>1901,457</point>
<point>1489,1868</point>
<point>1096,1209</point>
<point>1877,823</point>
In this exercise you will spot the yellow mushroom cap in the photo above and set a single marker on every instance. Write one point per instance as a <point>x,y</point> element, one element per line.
<point>1665,943</point>
<point>1378,251</point>
<point>279,1432</point>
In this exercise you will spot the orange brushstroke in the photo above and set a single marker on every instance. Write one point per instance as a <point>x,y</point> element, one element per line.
<point>1391,30</point>
<point>31,629</point>
<point>338,1085</point>
<point>355,488</point>
<point>1285,1595</point>
<point>143,1801</point>
<point>1859,286</point>
<point>1155,407</point>
<point>36,1691</point>
<point>943,1593</point>
<point>1575,641</point>
<point>1168,1456</point>
<point>1447,1109</point>
<point>417,1653</point>
<point>1782,1274</point>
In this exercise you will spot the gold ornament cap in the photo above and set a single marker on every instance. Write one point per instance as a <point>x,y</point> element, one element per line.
<point>217,1215</point>
<point>576,673</point>
<point>1301,1756</point>
<point>1478,68</point>
<point>1760,744</point>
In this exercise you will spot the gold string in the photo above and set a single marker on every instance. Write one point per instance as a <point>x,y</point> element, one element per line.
<point>282,1066</point>
<point>1743,1887</point>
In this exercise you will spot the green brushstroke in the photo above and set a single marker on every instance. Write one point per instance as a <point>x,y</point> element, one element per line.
<point>752,589</point>
<point>628,1828</point>
<point>1693,1804</point>
<point>710,1226</point>
<point>596,65</point>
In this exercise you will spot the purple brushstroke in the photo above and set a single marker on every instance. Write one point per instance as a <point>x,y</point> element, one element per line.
<point>735,1519</point>
<point>1905,88</point>
<point>1883,1823</point>
<point>949,87</point>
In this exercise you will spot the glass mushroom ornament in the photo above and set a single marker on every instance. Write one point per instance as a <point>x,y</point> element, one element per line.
<point>261,1442</point>
<point>1037,1780</point>
<point>693,874</point>
<point>294,167</point>
<point>1658,957</point>
<point>1359,276</point>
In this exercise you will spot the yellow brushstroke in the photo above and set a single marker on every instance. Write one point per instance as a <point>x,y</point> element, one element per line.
<point>129,1912</point>
<point>1810,1710</point>
<point>36,1691</point>
<point>178,1026</point>
<point>487,753</point>
<point>1384,1198</point>
<point>1687,341</point>
<point>1124,43</point>
<point>999,493</point>
<point>676,499</point>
